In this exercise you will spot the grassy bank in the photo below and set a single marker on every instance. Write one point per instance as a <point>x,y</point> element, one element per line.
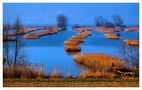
<point>112,36</point>
<point>71,44</point>
<point>71,82</point>
<point>50,30</point>
<point>131,42</point>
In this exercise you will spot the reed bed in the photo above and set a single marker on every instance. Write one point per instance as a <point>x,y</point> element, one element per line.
<point>97,74</point>
<point>112,36</point>
<point>76,40</point>
<point>55,74</point>
<point>24,71</point>
<point>131,42</point>
<point>98,61</point>
<point>100,29</point>
<point>8,38</point>
<point>24,30</point>
<point>51,30</point>
<point>71,48</point>
<point>73,53</point>
<point>132,28</point>
<point>71,44</point>
<point>69,75</point>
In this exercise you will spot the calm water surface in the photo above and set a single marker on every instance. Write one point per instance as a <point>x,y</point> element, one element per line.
<point>49,49</point>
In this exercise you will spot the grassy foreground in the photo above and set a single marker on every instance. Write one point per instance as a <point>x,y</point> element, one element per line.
<point>71,82</point>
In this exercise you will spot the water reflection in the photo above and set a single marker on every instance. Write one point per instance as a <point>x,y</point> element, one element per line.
<point>49,49</point>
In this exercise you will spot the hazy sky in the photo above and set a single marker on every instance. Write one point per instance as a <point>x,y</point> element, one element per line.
<point>45,13</point>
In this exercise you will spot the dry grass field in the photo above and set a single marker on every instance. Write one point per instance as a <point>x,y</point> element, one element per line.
<point>71,82</point>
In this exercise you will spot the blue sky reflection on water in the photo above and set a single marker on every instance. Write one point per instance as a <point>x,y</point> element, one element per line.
<point>77,13</point>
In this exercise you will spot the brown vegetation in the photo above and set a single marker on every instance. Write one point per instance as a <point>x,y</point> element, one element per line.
<point>51,30</point>
<point>132,28</point>
<point>69,75</point>
<point>99,62</point>
<point>103,66</point>
<point>8,38</point>
<point>71,83</point>
<point>24,30</point>
<point>23,71</point>
<point>98,74</point>
<point>100,29</point>
<point>55,74</point>
<point>112,36</point>
<point>71,48</point>
<point>131,42</point>
<point>105,29</point>
<point>72,44</point>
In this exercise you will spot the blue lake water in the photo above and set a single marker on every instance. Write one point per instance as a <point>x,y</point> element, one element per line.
<point>49,49</point>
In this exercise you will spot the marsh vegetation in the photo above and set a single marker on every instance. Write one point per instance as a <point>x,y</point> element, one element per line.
<point>103,54</point>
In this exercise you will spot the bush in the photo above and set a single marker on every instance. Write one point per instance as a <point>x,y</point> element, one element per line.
<point>23,71</point>
<point>55,74</point>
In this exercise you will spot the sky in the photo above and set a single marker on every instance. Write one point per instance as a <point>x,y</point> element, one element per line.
<point>77,13</point>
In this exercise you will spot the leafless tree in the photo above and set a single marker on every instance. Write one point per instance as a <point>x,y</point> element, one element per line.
<point>19,55</point>
<point>109,24</point>
<point>6,45</point>
<point>99,21</point>
<point>62,21</point>
<point>117,20</point>
<point>130,54</point>
<point>6,27</point>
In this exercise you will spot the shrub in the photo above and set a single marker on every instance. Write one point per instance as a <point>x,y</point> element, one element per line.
<point>69,75</point>
<point>55,74</point>
<point>23,71</point>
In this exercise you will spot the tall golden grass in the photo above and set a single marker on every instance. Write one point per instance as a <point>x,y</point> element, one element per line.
<point>111,36</point>
<point>55,74</point>
<point>72,44</point>
<point>23,71</point>
<point>51,30</point>
<point>71,48</point>
<point>98,61</point>
<point>69,75</point>
<point>132,42</point>
<point>97,74</point>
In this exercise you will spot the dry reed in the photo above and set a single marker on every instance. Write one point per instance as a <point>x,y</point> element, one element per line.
<point>131,42</point>
<point>71,45</point>
<point>112,36</point>
<point>98,61</point>
<point>24,71</point>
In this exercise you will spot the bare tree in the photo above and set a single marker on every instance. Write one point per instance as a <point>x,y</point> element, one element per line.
<point>117,20</point>
<point>130,54</point>
<point>18,44</point>
<point>6,27</point>
<point>6,45</point>
<point>108,24</point>
<point>99,21</point>
<point>62,21</point>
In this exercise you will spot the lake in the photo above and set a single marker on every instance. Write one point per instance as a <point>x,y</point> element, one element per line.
<point>49,49</point>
